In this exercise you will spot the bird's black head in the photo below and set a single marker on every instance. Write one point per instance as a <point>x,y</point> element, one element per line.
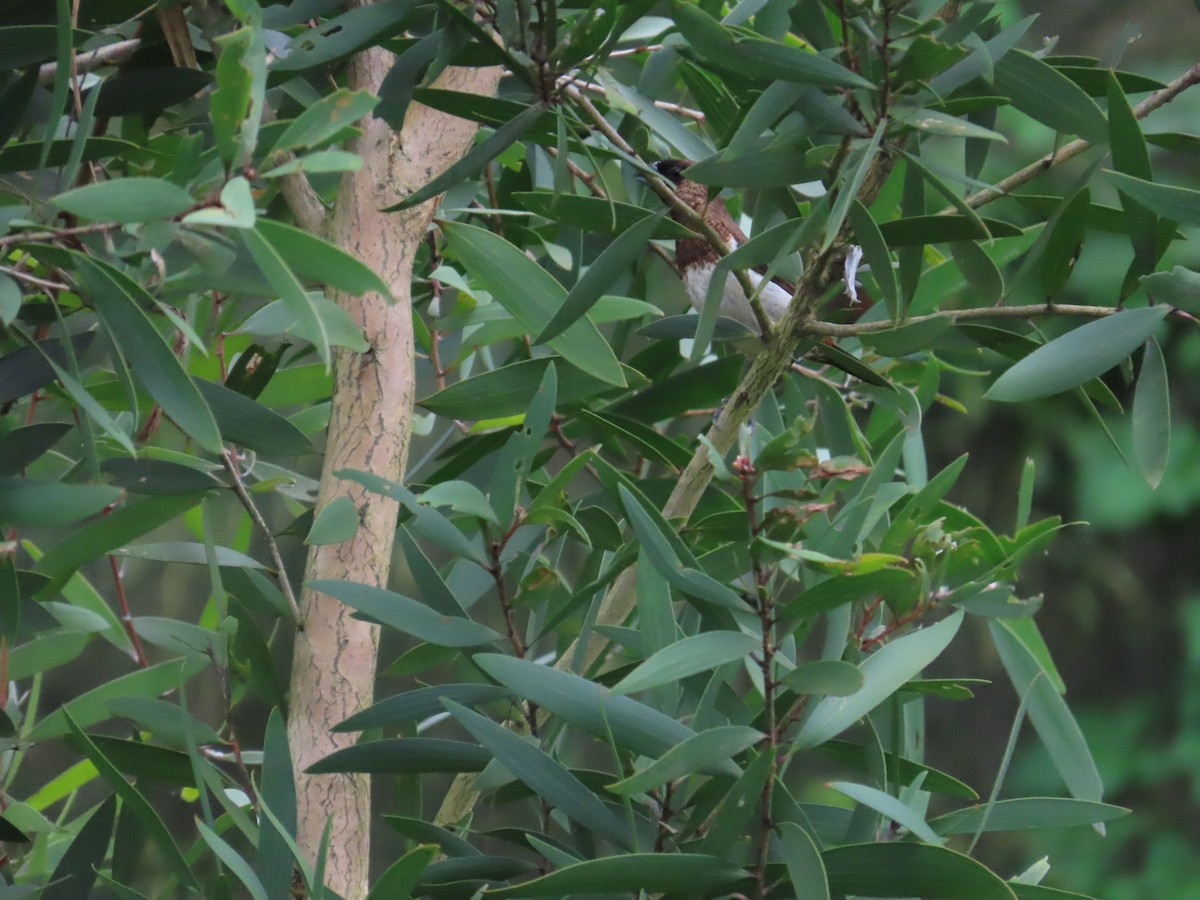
<point>672,169</point>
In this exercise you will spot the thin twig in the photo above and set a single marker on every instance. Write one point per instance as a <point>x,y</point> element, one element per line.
<point>834,329</point>
<point>239,488</point>
<point>666,105</point>
<point>126,616</point>
<point>27,237</point>
<point>33,279</point>
<point>93,59</point>
<point>1006,186</point>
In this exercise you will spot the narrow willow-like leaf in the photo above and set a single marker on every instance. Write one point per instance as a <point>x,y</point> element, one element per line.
<point>696,754</point>
<point>544,775</point>
<point>125,200</point>
<point>803,861</point>
<point>1055,724</point>
<point>911,870</point>
<point>1078,356</point>
<point>1027,813</point>
<point>1152,415</point>
<point>697,653</point>
<point>884,672</point>
<point>630,873</point>
<point>891,807</point>
<point>407,615</point>
<point>133,798</point>
<point>531,296</point>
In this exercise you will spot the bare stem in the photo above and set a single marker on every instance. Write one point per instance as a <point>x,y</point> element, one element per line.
<point>239,488</point>
<point>833,329</point>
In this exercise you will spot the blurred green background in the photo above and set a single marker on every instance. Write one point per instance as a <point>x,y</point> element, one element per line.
<point>1122,595</point>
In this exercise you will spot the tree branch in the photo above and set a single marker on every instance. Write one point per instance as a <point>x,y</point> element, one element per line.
<point>1068,151</point>
<point>833,329</point>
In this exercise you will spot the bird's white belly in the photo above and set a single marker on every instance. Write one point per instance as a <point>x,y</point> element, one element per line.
<point>733,300</point>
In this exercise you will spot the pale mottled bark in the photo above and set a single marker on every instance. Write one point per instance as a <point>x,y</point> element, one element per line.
<point>333,669</point>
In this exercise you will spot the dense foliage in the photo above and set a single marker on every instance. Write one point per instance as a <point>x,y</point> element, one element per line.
<point>669,589</point>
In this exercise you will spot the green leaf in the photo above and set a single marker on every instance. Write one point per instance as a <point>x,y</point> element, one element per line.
<point>934,122</point>
<point>698,653</point>
<point>589,706</point>
<point>1048,712</point>
<point>911,870</point>
<point>91,706</point>
<point>656,542</point>
<point>829,677</point>
<point>475,159</point>
<point>273,862</point>
<point>247,423</point>
<point>31,502</point>
<point>342,35</point>
<point>545,776</point>
<point>884,673</point>
<point>1078,356</point>
<point>285,284</point>
<point>915,230</point>
<point>158,477</point>
<point>421,703</point>
<point>189,553</point>
<point>336,522</point>
<point>607,267</point>
<point>1064,241</point>
<point>401,878</point>
<point>1045,94</point>
<point>315,259</point>
<point>332,321</point>
<point>1131,156</point>
<point>233,861</point>
<point>427,522</point>
<point>75,873</point>
<point>803,860</point>
<point>891,807</point>
<point>701,752</point>
<point>133,799</point>
<point>229,107</point>
<point>1175,203</point>
<point>325,118</point>
<point>1026,813</point>
<point>1152,415</point>
<point>847,192</point>
<point>601,215</point>
<point>875,252</point>
<point>407,615</point>
<point>121,302</point>
<point>10,300</point>
<point>398,756</point>
<point>758,163</point>
<point>125,200</point>
<point>532,297</point>
<point>630,873</point>
<point>754,57</point>
<point>235,209</point>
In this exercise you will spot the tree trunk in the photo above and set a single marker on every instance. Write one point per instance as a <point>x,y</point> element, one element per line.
<point>333,668</point>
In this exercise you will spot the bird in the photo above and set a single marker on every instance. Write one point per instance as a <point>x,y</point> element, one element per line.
<point>696,259</point>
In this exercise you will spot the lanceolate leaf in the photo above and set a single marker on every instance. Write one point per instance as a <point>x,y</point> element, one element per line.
<point>600,275</point>
<point>407,615</point>
<point>1178,204</point>
<point>884,672</point>
<point>126,200</point>
<point>121,303</point>
<point>1152,415</point>
<point>531,296</point>
<point>698,653</point>
<point>1078,356</point>
<point>629,874</point>
<point>545,776</point>
<point>911,870</point>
